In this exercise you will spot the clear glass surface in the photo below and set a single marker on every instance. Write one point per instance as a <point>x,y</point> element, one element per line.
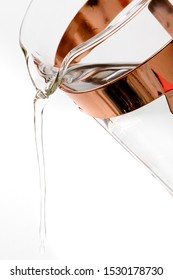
<point>129,39</point>
<point>147,133</point>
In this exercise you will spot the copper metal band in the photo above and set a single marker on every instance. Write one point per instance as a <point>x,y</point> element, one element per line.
<point>137,88</point>
<point>163,11</point>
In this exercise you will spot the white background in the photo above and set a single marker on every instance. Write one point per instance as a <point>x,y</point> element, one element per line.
<point>103,207</point>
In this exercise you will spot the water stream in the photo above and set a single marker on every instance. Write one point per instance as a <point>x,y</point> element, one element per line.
<point>39,106</point>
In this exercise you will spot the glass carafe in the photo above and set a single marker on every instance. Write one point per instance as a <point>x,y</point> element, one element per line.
<point>114,59</point>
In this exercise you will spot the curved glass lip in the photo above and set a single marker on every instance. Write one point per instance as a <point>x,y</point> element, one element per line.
<point>21,26</point>
<point>126,15</point>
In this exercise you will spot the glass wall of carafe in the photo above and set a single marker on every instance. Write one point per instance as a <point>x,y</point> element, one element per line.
<point>145,131</point>
<point>118,69</point>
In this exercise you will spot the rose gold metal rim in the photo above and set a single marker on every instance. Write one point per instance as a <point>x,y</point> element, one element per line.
<point>139,87</point>
<point>163,12</point>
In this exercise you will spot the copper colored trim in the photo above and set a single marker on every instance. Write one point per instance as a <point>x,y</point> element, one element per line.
<point>169,98</point>
<point>91,19</point>
<point>163,11</point>
<point>136,89</point>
